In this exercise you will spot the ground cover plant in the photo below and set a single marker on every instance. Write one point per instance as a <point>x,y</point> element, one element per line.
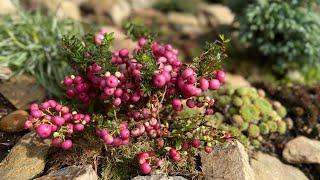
<point>129,101</point>
<point>30,43</point>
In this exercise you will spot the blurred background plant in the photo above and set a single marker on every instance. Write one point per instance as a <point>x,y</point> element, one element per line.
<point>187,6</point>
<point>30,43</point>
<point>284,32</point>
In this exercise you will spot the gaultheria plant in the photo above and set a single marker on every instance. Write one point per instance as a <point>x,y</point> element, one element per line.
<point>133,99</point>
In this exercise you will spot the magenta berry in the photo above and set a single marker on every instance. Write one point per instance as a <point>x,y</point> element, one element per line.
<point>124,133</point>
<point>66,145</point>
<point>108,139</point>
<point>221,75</point>
<point>58,120</point>
<point>44,130</point>
<point>56,142</point>
<point>159,80</point>
<point>214,84</point>
<point>196,143</point>
<point>204,84</point>
<point>145,168</point>
<point>78,127</point>
<point>112,81</point>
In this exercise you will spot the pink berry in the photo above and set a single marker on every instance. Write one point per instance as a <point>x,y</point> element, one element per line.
<point>145,168</point>
<point>204,84</point>
<point>34,107</point>
<point>159,80</point>
<point>28,124</point>
<point>142,41</point>
<point>124,133</point>
<point>135,132</point>
<point>191,103</point>
<point>44,130</point>
<point>185,146</point>
<point>195,143</point>
<point>107,139</point>
<point>66,145</point>
<point>221,76</point>
<point>56,142</point>
<point>67,81</point>
<point>187,72</point>
<point>117,141</point>
<point>78,127</point>
<point>118,92</point>
<point>112,81</point>
<point>209,111</point>
<point>109,91</point>
<point>54,128</point>
<point>58,120</point>
<point>70,93</point>
<point>214,84</point>
<point>208,149</point>
<point>36,113</point>
<point>159,162</point>
<point>117,101</point>
<point>123,53</point>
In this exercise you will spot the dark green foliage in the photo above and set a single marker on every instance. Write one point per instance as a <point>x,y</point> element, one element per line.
<point>30,43</point>
<point>287,31</point>
<point>187,6</point>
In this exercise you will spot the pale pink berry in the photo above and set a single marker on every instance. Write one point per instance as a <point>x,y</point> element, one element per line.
<point>58,120</point>
<point>107,139</point>
<point>204,84</point>
<point>208,149</point>
<point>187,72</point>
<point>117,101</point>
<point>112,81</point>
<point>214,84</point>
<point>124,133</point>
<point>44,130</point>
<point>36,113</point>
<point>145,168</point>
<point>159,80</point>
<point>221,76</point>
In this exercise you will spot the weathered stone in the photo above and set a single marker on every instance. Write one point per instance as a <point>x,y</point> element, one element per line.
<point>158,177</point>
<point>7,7</point>
<point>141,4</point>
<point>5,72</point>
<point>236,80</point>
<point>217,14</point>
<point>228,162</point>
<point>185,23</point>
<point>14,122</point>
<point>72,172</point>
<point>122,40</point>
<point>120,11</point>
<point>63,8</point>
<point>302,150</point>
<point>22,90</point>
<point>26,160</point>
<point>267,167</point>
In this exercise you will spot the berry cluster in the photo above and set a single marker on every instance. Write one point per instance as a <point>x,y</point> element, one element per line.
<point>53,120</point>
<point>136,98</point>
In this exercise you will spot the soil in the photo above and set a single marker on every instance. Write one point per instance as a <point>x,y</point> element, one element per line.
<point>7,140</point>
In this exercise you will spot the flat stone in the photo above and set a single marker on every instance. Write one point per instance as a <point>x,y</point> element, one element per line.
<point>72,172</point>
<point>26,159</point>
<point>185,23</point>
<point>158,177</point>
<point>267,167</point>
<point>14,122</point>
<point>217,14</point>
<point>120,11</point>
<point>302,150</point>
<point>7,7</point>
<point>21,90</point>
<point>227,162</point>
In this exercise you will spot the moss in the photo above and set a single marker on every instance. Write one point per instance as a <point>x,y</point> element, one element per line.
<point>237,101</point>
<point>244,126</point>
<point>242,91</point>
<point>272,126</point>
<point>230,91</point>
<point>232,110</point>
<point>264,128</point>
<point>253,131</point>
<point>263,105</point>
<point>246,100</point>
<point>244,140</point>
<point>249,113</point>
<point>256,143</point>
<point>224,100</point>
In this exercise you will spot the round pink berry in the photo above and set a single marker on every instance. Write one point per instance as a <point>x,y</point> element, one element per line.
<point>66,145</point>
<point>214,84</point>
<point>44,130</point>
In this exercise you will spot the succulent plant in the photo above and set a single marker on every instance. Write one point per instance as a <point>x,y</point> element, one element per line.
<point>251,113</point>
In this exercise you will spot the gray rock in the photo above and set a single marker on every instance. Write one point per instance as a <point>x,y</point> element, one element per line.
<point>120,11</point>
<point>7,7</point>
<point>72,172</point>
<point>158,177</point>
<point>302,150</point>
<point>217,14</point>
<point>185,23</point>
<point>14,122</point>
<point>229,162</point>
<point>26,160</point>
<point>22,90</point>
<point>236,80</point>
<point>267,167</point>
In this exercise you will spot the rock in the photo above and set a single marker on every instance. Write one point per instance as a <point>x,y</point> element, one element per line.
<point>122,40</point>
<point>302,150</point>
<point>236,81</point>
<point>120,11</point>
<point>26,159</point>
<point>7,7</point>
<point>267,167</point>
<point>21,90</point>
<point>217,14</point>
<point>5,72</point>
<point>72,172</point>
<point>185,23</point>
<point>14,122</point>
<point>158,177</point>
<point>229,162</point>
<point>141,4</point>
